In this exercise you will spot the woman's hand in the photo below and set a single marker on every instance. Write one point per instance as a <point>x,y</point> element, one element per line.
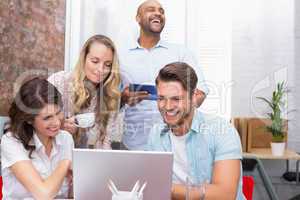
<point>69,125</point>
<point>70,183</point>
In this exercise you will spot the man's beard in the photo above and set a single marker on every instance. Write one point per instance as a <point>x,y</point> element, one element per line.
<point>148,29</point>
<point>180,120</point>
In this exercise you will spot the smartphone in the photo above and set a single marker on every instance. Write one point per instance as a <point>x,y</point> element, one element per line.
<point>151,89</point>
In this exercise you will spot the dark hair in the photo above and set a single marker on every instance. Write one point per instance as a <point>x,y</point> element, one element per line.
<point>181,72</point>
<point>33,96</point>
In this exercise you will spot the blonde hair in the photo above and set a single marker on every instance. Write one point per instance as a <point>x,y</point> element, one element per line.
<point>108,93</point>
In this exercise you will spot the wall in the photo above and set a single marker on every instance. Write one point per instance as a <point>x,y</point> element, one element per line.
<point>208,35</point>
<point>296,75</point>
<point>31,39</point>
<point>262,54</point>
<point>266,48</point>
<point>108,17</point>
<point>206,31</point>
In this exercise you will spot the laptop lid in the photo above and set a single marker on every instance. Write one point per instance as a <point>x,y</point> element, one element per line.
<point>92,169</point>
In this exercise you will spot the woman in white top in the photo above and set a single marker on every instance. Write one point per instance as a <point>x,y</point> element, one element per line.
<point>35,153</point>
<point>93,86</point>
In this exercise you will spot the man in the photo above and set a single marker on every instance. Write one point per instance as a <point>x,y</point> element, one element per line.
<point>206,149</point>
<point>140,62</point>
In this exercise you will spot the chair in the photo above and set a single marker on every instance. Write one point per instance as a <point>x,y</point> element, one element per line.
<point>3,121</point>
<point>1,183</point>
<point>262,174</point>
<point>248,187</point>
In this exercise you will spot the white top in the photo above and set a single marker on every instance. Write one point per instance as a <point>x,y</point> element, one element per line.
<point>180,163</point>
<point>13,151</point>
<point>141,66</point>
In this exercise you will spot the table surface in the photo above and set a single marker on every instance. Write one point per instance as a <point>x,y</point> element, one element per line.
<point>266,153</point>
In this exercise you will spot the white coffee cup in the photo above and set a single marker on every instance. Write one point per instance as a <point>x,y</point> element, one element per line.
<point>85,120</point>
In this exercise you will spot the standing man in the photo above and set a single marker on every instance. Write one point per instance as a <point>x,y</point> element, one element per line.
<point>139,63</point>
<point>206,149</point>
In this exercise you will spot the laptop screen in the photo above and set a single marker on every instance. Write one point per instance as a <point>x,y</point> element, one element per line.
<point>93,168</point>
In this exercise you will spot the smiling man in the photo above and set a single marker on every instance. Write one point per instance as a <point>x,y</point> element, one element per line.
<point>140,61</point>
<point>206,149</point>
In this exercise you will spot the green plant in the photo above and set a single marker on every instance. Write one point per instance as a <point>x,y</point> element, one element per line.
<point>277,104</point>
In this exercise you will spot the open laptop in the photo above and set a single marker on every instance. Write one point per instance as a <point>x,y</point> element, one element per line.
<point>92,169</point>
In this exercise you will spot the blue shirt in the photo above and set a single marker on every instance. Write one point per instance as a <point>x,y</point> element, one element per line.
<point>209,139</point>
<point>141,66</point>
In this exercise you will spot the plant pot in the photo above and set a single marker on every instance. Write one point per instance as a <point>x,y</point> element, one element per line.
<point>277,148</point>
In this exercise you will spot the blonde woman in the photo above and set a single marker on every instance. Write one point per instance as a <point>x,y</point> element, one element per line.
<point>92,87</point>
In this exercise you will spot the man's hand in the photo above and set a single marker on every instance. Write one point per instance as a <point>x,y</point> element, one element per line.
<point>179,192</point>
<point>132,98</point>
<point>225,180</point>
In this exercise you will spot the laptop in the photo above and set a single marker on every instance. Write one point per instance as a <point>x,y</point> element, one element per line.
<point>93,168</point>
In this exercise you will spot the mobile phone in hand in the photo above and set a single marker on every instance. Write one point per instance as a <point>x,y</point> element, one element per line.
<point>151,89</point>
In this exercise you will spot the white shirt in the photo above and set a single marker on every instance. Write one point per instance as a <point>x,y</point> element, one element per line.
<point>180,162</point>
<point>141,66</point>
<point>12,151</point>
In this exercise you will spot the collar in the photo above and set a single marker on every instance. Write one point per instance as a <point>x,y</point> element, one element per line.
<point>135,45</point>
<point>197,121</point>
<point>38,144</point>
<point>195,127</point>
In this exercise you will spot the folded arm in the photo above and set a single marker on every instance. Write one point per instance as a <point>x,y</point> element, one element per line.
<point>40,188</point>
<point>224,185</point>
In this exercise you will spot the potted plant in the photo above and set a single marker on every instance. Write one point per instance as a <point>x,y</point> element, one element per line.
<point>278,125</point>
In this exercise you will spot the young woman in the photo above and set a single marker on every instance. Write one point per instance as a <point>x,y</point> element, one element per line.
<point>35,153</point>
<point>93,86</point>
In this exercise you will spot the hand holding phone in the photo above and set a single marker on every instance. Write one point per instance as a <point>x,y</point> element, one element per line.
<point>131,97</point>
<point>150,89</point>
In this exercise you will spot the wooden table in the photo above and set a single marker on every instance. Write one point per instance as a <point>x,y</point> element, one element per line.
<point>266,153</point>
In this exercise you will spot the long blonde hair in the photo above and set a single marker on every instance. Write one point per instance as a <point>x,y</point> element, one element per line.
<point>108,92</point>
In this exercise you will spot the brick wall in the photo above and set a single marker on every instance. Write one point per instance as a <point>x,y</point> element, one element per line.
<point>31,41</point>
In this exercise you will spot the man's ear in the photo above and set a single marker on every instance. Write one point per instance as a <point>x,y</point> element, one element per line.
<point>138,18</point>
<point>194,99</point>
<point>198,97</point>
